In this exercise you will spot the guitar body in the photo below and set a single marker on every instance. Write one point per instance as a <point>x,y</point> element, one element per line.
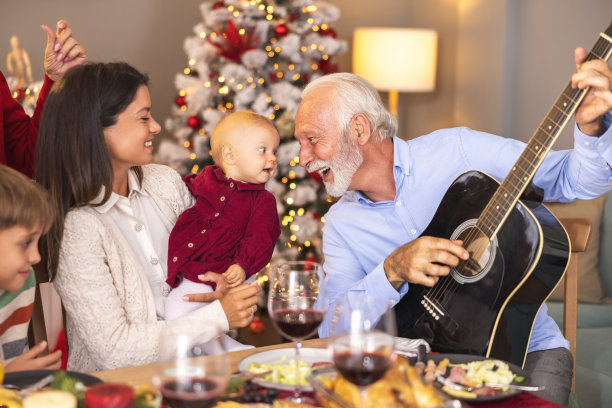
<point>491,314</point>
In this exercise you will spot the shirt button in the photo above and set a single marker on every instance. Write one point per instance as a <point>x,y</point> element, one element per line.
<point>232,185</point>
<point>190,245</point>
<point>154,261</point>
<point>216,214</point>
<point>203,231</point>
<point>138,227</point>
<point>587,144</point>
<point>222,198</point>
<point>413,231</point>
<point>398,203</point>
<point>600,144</point>
<point>175,259</point>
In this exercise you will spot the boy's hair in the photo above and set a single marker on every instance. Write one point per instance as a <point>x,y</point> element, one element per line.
<point>231,123</point>
<point>23,202</point>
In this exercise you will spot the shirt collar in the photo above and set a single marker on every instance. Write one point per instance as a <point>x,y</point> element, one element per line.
<point>401,166</point>
<point>218,172</point>
<point>133,188</point>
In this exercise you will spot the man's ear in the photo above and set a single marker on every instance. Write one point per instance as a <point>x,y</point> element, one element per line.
<point>360,129</point>
<point>227,154</point>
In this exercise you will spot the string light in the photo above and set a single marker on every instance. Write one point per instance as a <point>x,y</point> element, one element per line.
<point>186,71</point>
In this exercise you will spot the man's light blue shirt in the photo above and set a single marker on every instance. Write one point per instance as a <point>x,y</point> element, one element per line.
<point>359,234</point>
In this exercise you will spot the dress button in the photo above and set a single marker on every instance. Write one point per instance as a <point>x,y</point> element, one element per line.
<point>203,231</point>
<point>154,261</point>
<point>138,227</point>
<point>222,198</point>
<point>232,185</point>
<point>190,245</point>
<point>175,259</point>
<point>216,214</point>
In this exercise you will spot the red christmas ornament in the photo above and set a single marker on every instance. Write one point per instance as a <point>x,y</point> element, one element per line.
<point>180,101</point>
<point>218,5</point>
<point>292,17</point>
<point>281,30</point>
<point>328,32</point>
<point>194,122</point>
<point>20,94</point>
<point>272,76</point>
<point>327,67</point>
<point>256,327</point>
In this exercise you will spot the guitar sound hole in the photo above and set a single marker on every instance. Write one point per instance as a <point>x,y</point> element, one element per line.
<point>479,247</point>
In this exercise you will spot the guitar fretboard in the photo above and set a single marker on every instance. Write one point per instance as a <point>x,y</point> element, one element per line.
<point>539,145</point>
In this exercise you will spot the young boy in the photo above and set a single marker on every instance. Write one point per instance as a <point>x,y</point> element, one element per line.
<point>25,214</point>
<point>233,226</point>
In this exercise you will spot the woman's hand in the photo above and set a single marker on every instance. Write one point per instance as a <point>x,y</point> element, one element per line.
<point>30,361</point>
<point>220,290</point>
<point>240,304</point>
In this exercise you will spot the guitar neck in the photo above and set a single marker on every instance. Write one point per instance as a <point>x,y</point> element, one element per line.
<point>538,146</point>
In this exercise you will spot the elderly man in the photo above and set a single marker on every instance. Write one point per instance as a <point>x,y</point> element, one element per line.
<point>392,187</point>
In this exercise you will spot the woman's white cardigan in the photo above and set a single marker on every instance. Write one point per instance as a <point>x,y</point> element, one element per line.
<point>110,312</point>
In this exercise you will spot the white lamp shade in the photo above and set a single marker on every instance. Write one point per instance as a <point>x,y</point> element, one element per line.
<point>398,59</point>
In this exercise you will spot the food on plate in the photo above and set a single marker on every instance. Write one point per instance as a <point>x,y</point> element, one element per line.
<point>400,387</point>
<point>63,382</point>
<point>50,399</point>
<point>109,395</point>
<point>282,373</point>
<point>9,399</point>
<point>478,377</point>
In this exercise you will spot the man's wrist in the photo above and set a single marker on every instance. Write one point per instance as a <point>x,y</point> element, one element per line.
<point>392,277</point>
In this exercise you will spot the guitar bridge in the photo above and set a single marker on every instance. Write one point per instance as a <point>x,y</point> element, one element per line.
<point>438,313</point>
<point>432,308</point>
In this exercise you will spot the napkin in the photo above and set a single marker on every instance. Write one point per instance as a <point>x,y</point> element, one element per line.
<point>408,347</point>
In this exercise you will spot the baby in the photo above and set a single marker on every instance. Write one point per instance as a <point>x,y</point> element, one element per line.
<point>233,226</point>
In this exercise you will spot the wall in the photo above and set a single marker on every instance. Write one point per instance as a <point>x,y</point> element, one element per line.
<point>515,58</point>
<point>501,64</point>
<point>149,34</point>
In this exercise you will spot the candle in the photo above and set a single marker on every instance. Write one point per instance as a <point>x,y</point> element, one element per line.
<point>50,399</point>
<point>109,395</point>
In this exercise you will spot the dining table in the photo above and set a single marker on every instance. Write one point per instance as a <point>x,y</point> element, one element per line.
<point>137,375</point>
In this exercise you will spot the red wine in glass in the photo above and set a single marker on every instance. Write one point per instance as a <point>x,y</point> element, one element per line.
<point>198,392</point>
<point>362,368</point>
<point>297,324</point>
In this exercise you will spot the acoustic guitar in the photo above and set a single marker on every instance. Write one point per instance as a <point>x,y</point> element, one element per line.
<point>518,251</point>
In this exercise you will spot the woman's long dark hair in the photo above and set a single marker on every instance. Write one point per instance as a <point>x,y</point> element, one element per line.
<point>72,159</point>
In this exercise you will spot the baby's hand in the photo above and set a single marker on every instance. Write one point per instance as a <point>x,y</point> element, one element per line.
<point>234,275</point>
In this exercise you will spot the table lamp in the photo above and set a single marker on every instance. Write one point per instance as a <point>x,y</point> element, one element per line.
<point>396,59</point>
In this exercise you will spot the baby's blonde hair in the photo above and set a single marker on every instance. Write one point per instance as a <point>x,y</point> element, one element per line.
<point>230,127</point>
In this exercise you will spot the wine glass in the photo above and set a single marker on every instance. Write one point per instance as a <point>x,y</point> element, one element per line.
<point>296,304</point>
<point>363,334</point>
<point>187,377</point>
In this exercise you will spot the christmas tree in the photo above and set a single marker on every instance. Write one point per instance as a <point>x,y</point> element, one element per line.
<point>257,55</point>
<point>25,95</point>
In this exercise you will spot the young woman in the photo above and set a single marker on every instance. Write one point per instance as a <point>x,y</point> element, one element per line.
<point>107,250</point>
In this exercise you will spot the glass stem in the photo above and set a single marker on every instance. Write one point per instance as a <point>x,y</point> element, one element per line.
<point>363,393</point>
<point>297,393</point>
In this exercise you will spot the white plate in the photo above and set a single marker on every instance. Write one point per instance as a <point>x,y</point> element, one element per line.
<point>308,355</point>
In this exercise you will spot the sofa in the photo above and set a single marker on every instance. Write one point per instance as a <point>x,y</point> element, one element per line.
<point>593,373</point>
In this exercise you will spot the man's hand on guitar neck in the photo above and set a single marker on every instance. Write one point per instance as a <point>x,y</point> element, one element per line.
<point>597,75</point>
<point>423,261</point>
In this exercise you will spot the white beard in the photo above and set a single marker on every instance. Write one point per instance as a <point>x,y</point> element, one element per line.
<point>343,165</point>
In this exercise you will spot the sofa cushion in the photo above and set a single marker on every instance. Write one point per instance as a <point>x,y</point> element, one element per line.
<point>590,287</point>
<point>605,257</point>
<point>589,315</point>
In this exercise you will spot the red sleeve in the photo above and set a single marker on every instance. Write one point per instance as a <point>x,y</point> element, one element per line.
<point>19,132</point>
<point>256,248</point>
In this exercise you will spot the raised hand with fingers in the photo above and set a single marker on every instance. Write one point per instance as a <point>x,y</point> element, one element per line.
<point>63,51</point>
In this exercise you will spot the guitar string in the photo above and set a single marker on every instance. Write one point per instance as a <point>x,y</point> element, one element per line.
<point>447,283</point>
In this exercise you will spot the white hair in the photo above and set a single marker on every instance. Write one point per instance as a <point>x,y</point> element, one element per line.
<point>351,95</point>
